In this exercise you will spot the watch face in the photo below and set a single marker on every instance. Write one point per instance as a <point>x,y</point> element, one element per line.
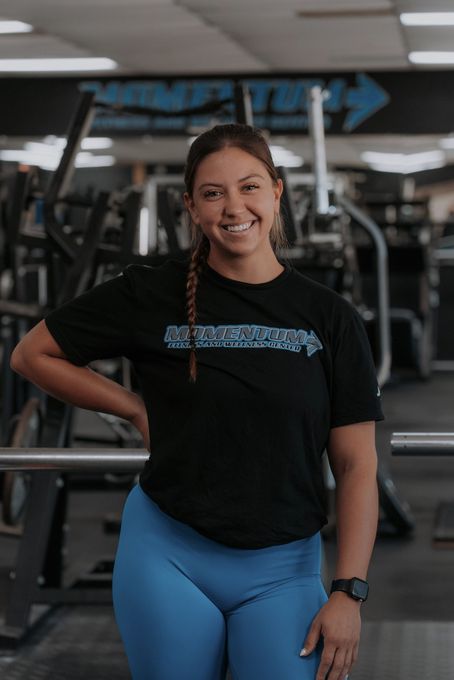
<point>360,589</point>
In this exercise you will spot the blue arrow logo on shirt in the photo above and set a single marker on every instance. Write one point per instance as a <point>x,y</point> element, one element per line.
<point>364,100</point>
<point>312,343</point>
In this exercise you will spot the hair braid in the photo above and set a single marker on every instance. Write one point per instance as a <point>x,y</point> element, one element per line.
<point>198,257</point>
<point>252,141</point>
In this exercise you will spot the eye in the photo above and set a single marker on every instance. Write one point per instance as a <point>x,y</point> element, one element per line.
<point>211,193</point>
<point>250,187</point>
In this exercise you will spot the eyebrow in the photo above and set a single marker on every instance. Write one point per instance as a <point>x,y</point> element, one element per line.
<point>243,179</point>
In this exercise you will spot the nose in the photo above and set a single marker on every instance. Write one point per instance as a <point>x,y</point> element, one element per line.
<point>233,204</point>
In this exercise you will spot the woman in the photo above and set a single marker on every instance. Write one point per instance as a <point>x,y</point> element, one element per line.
<point>219,553</point>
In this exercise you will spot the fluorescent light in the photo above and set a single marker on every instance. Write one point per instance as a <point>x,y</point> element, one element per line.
<point>50,161</point>
<point>431,57</point>
<point>96,143</point>
<point>15,27</point>
<point>404,163</point>
<point>144,228</point>
<point>88,144</point>
<point>407,159</point>
<point>45,162</point>
<point>405,169</point>
<point>41,65</point>
<point>89,161</point>
<point>54,141</point>
<point>447,143</point>
<point>43,149</point>
<point>285,157</point>
<point>427,18</point>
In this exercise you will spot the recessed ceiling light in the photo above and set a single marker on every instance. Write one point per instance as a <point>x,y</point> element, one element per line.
<point>431,57</point>
<point>15,27</point>
<point>427,18</point>
<point>63,64</point>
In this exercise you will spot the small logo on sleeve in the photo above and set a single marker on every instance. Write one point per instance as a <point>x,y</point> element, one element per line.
<point>248,336</point>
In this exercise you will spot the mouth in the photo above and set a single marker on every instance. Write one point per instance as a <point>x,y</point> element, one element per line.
<point>236,228</point>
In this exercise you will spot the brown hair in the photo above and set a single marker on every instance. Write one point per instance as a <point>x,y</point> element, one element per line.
<point>252,141</point>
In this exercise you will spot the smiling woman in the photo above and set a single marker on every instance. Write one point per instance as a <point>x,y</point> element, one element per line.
<point>220,546</point>
<point>284,370</point>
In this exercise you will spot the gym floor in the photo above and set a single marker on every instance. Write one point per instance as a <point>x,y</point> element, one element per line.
<point>408,621</point>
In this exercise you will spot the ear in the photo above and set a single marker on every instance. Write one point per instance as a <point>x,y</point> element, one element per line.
<point>190,207</point>
<point>278,189</point>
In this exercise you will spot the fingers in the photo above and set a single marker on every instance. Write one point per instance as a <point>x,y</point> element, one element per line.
<point>341,666</point>
<point>326,661</point>
<point>336,663</point>
<point>312,639</point>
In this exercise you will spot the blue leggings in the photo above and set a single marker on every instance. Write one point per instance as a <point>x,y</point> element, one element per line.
<point>186,606</point>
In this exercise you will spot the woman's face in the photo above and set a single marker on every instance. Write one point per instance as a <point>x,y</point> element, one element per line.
<point>234,201</point>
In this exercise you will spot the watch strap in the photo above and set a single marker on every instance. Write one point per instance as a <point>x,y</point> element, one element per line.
<point>348,586</point>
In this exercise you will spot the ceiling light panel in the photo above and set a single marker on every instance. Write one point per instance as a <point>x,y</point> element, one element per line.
<point>8,27</point>
<point>59,65</point>
<point>427,18</point>
<point>431,58</point>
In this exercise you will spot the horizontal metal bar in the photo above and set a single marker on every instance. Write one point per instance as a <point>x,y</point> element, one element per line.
<point>22,309</point>
<point>73,459</point>
<point>422,444</point>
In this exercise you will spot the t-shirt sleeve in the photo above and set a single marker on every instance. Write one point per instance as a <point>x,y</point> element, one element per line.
<point>355,391</point>
<point>98,324</point>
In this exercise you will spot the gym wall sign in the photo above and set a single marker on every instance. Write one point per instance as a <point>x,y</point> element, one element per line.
<point>408,102</point>
<point>279,105</point>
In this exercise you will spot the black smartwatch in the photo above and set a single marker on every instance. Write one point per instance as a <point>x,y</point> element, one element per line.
<point>355,587</point>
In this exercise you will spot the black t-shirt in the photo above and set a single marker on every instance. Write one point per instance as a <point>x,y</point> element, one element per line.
<point>237,455</point>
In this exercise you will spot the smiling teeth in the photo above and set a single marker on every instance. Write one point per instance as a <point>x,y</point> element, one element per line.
<point>238,227</point>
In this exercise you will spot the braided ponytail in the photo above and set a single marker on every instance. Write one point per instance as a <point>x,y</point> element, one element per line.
<point>252,141</point>
<point>199,255</point>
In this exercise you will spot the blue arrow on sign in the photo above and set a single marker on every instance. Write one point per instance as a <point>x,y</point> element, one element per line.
<point>363,100</point>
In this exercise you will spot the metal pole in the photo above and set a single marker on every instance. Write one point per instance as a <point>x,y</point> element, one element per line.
<point>243,104</point>
<point>317,133</point>
<point>384,366</point>
<point>72,459</point>
<point>422,444</point>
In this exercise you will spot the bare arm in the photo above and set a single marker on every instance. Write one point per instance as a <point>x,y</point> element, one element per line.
<point>353,460</point>
<point>39,359</point>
